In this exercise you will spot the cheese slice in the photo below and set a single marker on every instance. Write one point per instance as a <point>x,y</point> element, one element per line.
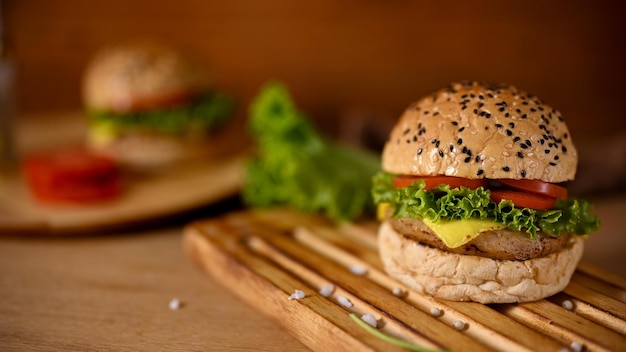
<point>456,233</point>
<point>453,233</point>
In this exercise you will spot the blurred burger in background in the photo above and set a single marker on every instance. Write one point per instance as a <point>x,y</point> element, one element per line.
<point>149,105</point>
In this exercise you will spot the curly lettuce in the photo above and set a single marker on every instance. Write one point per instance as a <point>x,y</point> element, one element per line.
<point>202,114</point>
<point>568,216</point>
<point>297,167</point>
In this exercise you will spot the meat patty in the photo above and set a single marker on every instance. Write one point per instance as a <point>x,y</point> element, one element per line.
<point>501,244</point>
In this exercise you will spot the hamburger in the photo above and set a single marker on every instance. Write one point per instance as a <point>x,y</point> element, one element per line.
<point>150,105</point>
<point>472,196</point>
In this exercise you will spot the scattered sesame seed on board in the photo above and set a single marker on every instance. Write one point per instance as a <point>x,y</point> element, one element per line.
<point>297,294</point>
<point>327,290</point>
<point>344,301</point>
<point>370,319</point>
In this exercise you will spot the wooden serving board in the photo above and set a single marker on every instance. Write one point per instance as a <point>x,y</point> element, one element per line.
<point>263,256</point>
<point>148,195</point>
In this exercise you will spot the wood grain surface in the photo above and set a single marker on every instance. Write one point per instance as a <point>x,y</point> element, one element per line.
<point>264,256</point>
<point>112,293</point>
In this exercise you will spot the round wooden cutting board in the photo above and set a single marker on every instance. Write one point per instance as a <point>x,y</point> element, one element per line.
<point>147,196</point>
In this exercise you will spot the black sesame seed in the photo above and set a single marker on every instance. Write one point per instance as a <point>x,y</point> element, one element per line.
<point>501,109</point>
<point>475,111</point>
<point>437,144</point>
<point>523,173</point>
<point>524,146</point>
<point>454,123</point>
<point>414,138</point>
<point>524,116</point>
<point>459,141</point>
<point>441,153</point>
<point>509,132</point>
<point>461,129</point>
<point>451,148</point>
<point>512,125</point>
<point>506,115</point>
<point>406,131</point>
<point>506,168</point>
<point>547,151</point>
<point>524,103</point>
<point>528,143</point>
<point>480,172</point>
<point>488,115</point>
<point>556,157</point>
<point>425,112</point>
<point>419,151</point>
<point>552,164</point>
<point>518,111</point>
<point>468,159</point>
<point>516,139</point>
<point>520,155</point>
<point>483,113</point>
<point>498,125</point>
<point>464,150</point>
<point>564,149</point>
<point>477,158</point>
<point>433,141</point>
<point>435,113</point>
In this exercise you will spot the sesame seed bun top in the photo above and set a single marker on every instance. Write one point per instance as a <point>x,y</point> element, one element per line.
<point>141,75</point>
<point>477,130</point>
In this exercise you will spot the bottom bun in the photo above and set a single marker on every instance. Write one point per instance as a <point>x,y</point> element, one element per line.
<point>459,277</point>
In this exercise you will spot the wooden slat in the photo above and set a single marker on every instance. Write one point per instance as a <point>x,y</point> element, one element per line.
<point>263,256</point>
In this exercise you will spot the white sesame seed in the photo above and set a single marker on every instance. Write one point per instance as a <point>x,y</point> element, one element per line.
<point>459,325</point>
<point>397,291</point>
<point>327,290</point>
<point>175,304</point>
<point>576,346</point>
<point>358,270</point>
<point>344,301</point>
<point>567,304</point>
<point>370,319</point>
<point>435,312</point>
<point>297,294</point>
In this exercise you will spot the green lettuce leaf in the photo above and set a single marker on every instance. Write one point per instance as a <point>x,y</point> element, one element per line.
<point>568,216</point>
<point>295,166</point>
<point>203,114</point>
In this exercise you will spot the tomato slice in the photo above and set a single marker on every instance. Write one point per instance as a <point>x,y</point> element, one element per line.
<point>523,199</point>
<point>73,175</point>
<point>434,181</point>
<point>537,187</point>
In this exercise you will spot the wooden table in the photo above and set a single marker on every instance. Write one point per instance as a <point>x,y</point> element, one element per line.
<point>112,291</point>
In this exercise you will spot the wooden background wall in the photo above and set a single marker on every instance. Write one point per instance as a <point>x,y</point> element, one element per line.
<point>342,55</point>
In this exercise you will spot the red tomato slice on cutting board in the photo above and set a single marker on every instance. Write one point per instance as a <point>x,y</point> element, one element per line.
<point>434,181</point>
<point>72,175</point>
